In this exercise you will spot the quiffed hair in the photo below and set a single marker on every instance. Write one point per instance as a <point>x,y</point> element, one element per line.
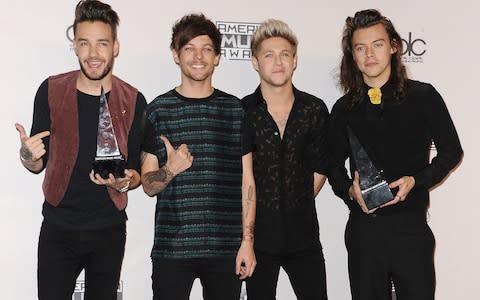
<point>273,28</point>
<point>94,10</point>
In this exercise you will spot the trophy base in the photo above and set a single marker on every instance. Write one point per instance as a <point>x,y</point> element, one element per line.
<point>114,165</point>
<point>377,195</point>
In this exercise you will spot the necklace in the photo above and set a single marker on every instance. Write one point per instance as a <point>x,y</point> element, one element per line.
<point>281,119</point>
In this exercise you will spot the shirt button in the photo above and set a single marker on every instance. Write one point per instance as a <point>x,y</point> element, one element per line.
<point>275,133</point>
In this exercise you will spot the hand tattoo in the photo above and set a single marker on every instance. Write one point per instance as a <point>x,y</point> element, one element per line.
<point>26,154</point>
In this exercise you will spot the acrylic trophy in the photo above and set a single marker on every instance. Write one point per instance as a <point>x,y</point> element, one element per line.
<point>108,158</point>
<point>374,187</point>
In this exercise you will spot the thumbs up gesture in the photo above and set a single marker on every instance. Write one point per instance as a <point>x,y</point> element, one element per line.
<point>32,148</point>
<point>179,159</point>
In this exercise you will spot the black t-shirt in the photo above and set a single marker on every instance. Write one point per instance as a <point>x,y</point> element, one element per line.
<point>85,204</point>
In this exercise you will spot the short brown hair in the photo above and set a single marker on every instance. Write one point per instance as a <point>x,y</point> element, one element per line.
<point>191,26</point>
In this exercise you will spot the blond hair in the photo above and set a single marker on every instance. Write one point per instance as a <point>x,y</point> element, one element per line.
<point>272,28</point>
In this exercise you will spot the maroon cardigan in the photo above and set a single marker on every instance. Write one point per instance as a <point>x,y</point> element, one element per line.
<point>64,132</point>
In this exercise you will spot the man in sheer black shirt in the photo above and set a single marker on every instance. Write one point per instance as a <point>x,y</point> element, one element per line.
<point>286,132</point>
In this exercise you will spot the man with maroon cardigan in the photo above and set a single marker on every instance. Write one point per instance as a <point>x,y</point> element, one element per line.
<point>84,214</point>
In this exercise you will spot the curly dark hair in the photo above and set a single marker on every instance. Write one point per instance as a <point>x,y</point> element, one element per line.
<point>351,80</point>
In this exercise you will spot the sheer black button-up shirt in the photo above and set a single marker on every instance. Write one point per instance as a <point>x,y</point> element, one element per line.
<point>286,218</point>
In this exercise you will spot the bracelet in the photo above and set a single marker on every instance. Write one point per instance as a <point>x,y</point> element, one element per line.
<point>248,238</point>
<point>28,161</point>
<point>125,187</point>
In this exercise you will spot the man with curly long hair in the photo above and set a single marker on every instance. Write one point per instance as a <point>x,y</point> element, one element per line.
<point>396,120</point>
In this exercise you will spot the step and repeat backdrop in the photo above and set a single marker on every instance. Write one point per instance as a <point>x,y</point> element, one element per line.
<point>440,47</point>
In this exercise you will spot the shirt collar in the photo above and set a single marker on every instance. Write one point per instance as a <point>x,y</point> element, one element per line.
<point>260,100</point>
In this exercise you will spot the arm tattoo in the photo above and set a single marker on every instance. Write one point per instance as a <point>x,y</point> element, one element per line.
<point>249,204</point>
<point>143,156</point>
<point>249,201</point>
<point>163,175</point>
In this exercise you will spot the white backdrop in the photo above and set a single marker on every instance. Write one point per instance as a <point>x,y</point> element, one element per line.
<point>34,45</point>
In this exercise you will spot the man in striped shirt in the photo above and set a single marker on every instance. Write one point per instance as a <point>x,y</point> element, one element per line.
<point>192,160</point>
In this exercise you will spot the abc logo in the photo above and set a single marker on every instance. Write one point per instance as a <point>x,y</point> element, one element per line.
<point>413,47</point>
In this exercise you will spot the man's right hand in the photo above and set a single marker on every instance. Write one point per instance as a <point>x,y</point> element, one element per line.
<point>178,160</point>
<point>356,193</point>
<point>32,148</point>
<point>155,179</point>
